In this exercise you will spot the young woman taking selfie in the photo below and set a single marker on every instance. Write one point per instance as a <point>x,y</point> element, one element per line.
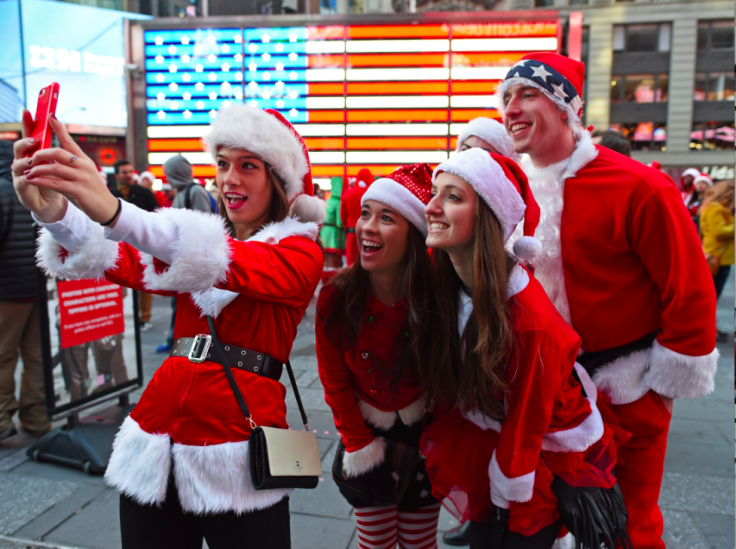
<point>371,337</point>
<point>180,460</point>
<point>511,411</point>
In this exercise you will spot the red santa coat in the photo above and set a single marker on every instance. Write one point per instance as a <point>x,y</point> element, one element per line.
<point>549,428</point>
<point>257,291</point>
<point>358,393</point>
<point>621,259</point>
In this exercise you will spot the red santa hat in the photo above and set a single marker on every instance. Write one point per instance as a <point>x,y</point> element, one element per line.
<point>656,165</point>
<point>558,77</point>
<point>407,190</point>
<point>502,185</point>
<point>704,178</point>
<point>366,177</point>
<point>492,132</point>
<point>270,136</point>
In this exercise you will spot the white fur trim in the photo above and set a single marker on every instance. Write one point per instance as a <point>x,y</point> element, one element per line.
<point>200,255</point>
<point>580,437</point>
<point>588,384</point>
<point>212,301</point>
<point>273,233</point>
<point>256,131</point>
<point>140,463</point>
<point>527,247</point>
<point>675,375</point>
<point>548,186</point>
<point>396,196</point>
<point>94,256</point>
<point>492,132</point>
<point>366,459</point>
<point>505,489</point>
<point>704,178</point>
<point>566,542</point>
<point>691,171</point>
<point>518,280</point>
<point>409,415</point>
<point>488,179</point>
<point>308,208</point>
<point>216,479</point>
<point>479,419</point>
<point>623,379</point>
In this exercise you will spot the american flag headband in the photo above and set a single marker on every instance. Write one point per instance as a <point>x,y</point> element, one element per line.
<point>548,79</point>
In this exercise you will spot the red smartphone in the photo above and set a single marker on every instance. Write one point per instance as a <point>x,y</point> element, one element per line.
<point>47,99</point>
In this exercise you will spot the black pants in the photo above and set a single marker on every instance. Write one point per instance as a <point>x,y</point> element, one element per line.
<point>170,527</point>
<point>719,279</point>
<point>480,534</point>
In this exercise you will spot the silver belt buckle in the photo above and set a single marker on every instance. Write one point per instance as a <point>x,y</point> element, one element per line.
<point>200,347</point>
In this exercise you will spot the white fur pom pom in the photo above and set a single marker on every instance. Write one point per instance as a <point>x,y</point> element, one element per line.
<point>308,208</point>
<point>527,247</point>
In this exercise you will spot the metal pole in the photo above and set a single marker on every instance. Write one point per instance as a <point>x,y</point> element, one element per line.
<point>22,53</point>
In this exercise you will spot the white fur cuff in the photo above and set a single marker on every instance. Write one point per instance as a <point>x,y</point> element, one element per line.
<point>675,375</point>
<point>579,438</point>
<point>505,489</point>
<point>366,459</point>
<point>95,255</point>
<point>200,255</point>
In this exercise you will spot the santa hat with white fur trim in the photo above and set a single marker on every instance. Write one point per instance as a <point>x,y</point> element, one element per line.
<point>704,178</point>
<point>492,132</point>
<point>502,185</point>
<point>691,172</point>
<point>407,190</point>
<point>558,77</point>
<point>270,136</point>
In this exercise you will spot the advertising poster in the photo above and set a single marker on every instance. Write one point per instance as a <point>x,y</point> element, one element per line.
<point>89,310</point>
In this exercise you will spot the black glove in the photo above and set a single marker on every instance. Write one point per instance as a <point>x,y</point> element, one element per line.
<point>499,526</point>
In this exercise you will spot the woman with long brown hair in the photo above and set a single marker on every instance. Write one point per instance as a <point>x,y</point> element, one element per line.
<point>371,326</point>
<point>181,458</point>
<point>512,410</point>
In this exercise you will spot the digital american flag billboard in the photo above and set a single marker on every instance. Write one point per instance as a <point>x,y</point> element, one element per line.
<point>362,95</point>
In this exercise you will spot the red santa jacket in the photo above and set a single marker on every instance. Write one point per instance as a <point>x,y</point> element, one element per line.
<point>350,205</point>
<point>257,291</point>
<point>358,392</point>
<point>621,260</point>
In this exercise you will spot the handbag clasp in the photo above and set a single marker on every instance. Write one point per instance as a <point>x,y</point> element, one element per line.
<point>200,347</point>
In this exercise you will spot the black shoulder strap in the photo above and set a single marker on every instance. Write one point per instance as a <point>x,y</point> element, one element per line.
<point>188,198</point>
<point>234,386</point>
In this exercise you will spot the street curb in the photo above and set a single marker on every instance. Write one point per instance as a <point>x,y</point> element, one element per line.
<point>31,544</point>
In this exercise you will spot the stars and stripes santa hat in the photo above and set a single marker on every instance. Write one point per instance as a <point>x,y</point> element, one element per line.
<point>270,136</point>
<point>407,190</point>
<point>558,77</point>
<point>503,186</point>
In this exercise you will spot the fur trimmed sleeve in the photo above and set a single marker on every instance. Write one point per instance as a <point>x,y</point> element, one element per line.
<point>366,459</point>
<point>675,375</point>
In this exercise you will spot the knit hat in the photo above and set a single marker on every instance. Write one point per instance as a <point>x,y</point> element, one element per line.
<point>407,190</point>
<point>502,185</point>
<point>558,77</point>
<point>365,176</point>
<point>705,178</point>
<point>270,136</point>
<point>692,172</point>
<point>492,132</point>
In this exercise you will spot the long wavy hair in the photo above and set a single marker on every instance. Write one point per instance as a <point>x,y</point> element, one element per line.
<point>352,288</point>
<point>469,369</point>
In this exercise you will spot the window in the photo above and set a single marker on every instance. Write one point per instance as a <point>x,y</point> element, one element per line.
<point>642,38</point>
<point>543,3</point>
<point>715,35</point>
<point>639,88</point>
<point>578,2</point>
<point>714,86</point>
<point>712,136</point>
<point>644,136</point>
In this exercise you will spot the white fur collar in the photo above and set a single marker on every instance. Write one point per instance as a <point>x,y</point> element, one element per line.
<point>213,300</point>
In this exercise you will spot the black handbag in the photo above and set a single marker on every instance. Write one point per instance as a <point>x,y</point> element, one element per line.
<point>597,517</point>
<point>278,458</point>
<point>387,483</point>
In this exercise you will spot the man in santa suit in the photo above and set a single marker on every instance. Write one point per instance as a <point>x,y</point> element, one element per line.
<point>621,261</point>
<point>350,212</point>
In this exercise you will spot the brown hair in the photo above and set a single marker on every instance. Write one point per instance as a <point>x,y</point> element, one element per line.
<point>352,288</point>
<point>477,379</point>
<point>279,202</point>
<point>721,191</point>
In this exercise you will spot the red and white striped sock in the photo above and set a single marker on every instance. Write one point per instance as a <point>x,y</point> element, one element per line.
<point>418,529</point>
<point>376,527</point>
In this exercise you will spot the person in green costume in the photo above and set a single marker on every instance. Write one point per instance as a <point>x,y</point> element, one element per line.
<point>332,232</point>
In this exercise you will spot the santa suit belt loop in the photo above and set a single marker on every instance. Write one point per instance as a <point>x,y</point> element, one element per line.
<point>594,361</point>
<point>198,349</point>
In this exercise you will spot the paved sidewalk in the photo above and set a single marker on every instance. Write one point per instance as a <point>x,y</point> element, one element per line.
<point>56,506</point>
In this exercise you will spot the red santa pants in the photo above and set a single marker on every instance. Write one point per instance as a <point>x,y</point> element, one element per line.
<point>640,474</point>
<point>351,248</point>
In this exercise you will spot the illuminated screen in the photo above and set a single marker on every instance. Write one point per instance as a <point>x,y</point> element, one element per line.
<point>361,96</point>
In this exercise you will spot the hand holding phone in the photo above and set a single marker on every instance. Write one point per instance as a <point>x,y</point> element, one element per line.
<point>47,99</point>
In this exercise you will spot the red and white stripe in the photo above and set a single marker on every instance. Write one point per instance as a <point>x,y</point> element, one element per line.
<point>377,527</point>
<point>418,529</point>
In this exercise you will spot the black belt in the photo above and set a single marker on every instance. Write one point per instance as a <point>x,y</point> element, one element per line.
<point>350,230</point>
<point>594,361</point>
<point>197,349</point>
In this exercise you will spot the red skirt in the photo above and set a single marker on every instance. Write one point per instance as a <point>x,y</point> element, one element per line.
<point>458,454</point>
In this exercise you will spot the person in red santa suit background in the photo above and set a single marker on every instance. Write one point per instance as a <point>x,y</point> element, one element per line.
<point>512,408</point>
<point>181,458</point>
<point>371,337</point>
<point>622,263</point>
<point>350,209</point>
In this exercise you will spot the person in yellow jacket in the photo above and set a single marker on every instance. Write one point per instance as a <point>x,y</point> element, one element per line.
<point>717,231</point>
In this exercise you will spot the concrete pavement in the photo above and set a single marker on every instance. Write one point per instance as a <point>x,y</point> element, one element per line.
<point>45,505</point>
